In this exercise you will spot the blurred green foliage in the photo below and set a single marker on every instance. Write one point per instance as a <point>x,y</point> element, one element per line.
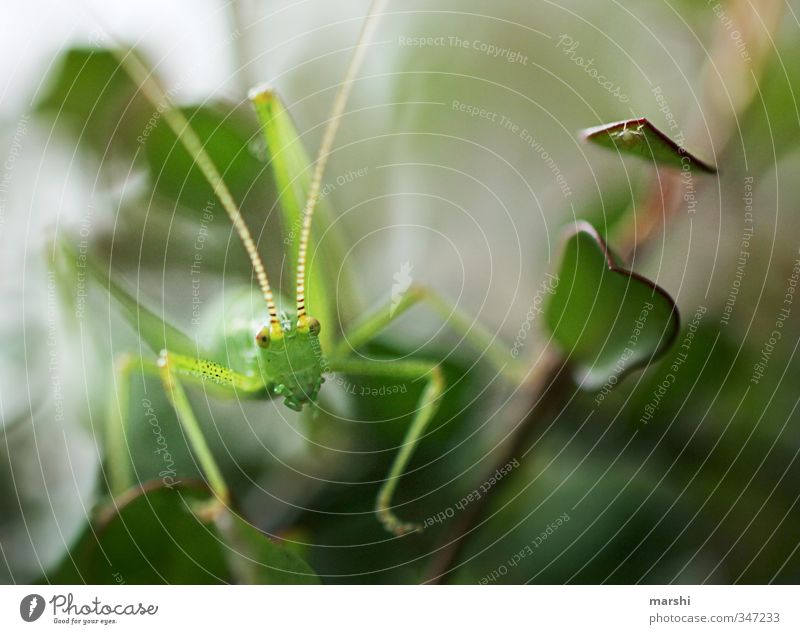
<point>685,471</point>
<point>157,536</point>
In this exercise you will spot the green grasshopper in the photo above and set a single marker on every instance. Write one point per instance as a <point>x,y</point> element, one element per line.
<point>280,350</point>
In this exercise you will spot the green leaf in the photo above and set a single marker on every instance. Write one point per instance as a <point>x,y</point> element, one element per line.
<point>155,331</point>
<point>607,320</point>
<point>158,534</point>
<point>256,559</point>
<point>641,138</point>
<point>226,137</point>
<point>151,536</point>
<point>88,92</point>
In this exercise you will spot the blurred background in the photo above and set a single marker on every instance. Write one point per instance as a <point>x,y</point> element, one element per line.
<point>458,164</point>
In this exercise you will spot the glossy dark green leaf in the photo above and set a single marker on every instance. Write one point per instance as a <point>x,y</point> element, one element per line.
<point>606,320</point>
<point>89,92</point>
<point>255,559</point>
<point>158,535</point>
<point>641,138</point>
<point>151,537</point>
<point>227,137</point>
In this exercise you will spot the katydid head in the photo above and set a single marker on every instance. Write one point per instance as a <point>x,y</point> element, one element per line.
<point>291,360</point>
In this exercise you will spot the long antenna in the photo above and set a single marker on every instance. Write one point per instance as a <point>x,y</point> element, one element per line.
<point>189,139</point>
<point>339,103</point>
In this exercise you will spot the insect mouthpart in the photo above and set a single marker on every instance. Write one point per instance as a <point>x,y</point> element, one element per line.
<point>301,391</point>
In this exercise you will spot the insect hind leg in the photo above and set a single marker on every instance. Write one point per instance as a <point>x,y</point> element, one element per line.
<point>427,407</point>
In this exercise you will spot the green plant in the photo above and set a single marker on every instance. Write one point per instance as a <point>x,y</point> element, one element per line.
<point>602,320</point>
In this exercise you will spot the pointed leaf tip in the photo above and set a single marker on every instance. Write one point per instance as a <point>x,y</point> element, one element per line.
<point>641,138</point>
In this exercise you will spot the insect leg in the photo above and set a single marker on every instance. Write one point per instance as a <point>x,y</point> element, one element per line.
<point>171,368</point>
<point>120,476</point>
<point>426,408</point>
<point>473,332</point>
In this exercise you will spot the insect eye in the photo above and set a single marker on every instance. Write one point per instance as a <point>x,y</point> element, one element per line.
<point>314,326</point>
<point>262,337</point>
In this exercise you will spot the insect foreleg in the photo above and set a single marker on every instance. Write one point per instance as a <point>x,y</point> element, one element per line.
<point>171,368</point>
<point>177,396</point>
<point>120,476</point>
<point>426,408</point>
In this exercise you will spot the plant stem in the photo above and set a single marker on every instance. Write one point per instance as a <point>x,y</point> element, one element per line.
<point>540,397</point>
